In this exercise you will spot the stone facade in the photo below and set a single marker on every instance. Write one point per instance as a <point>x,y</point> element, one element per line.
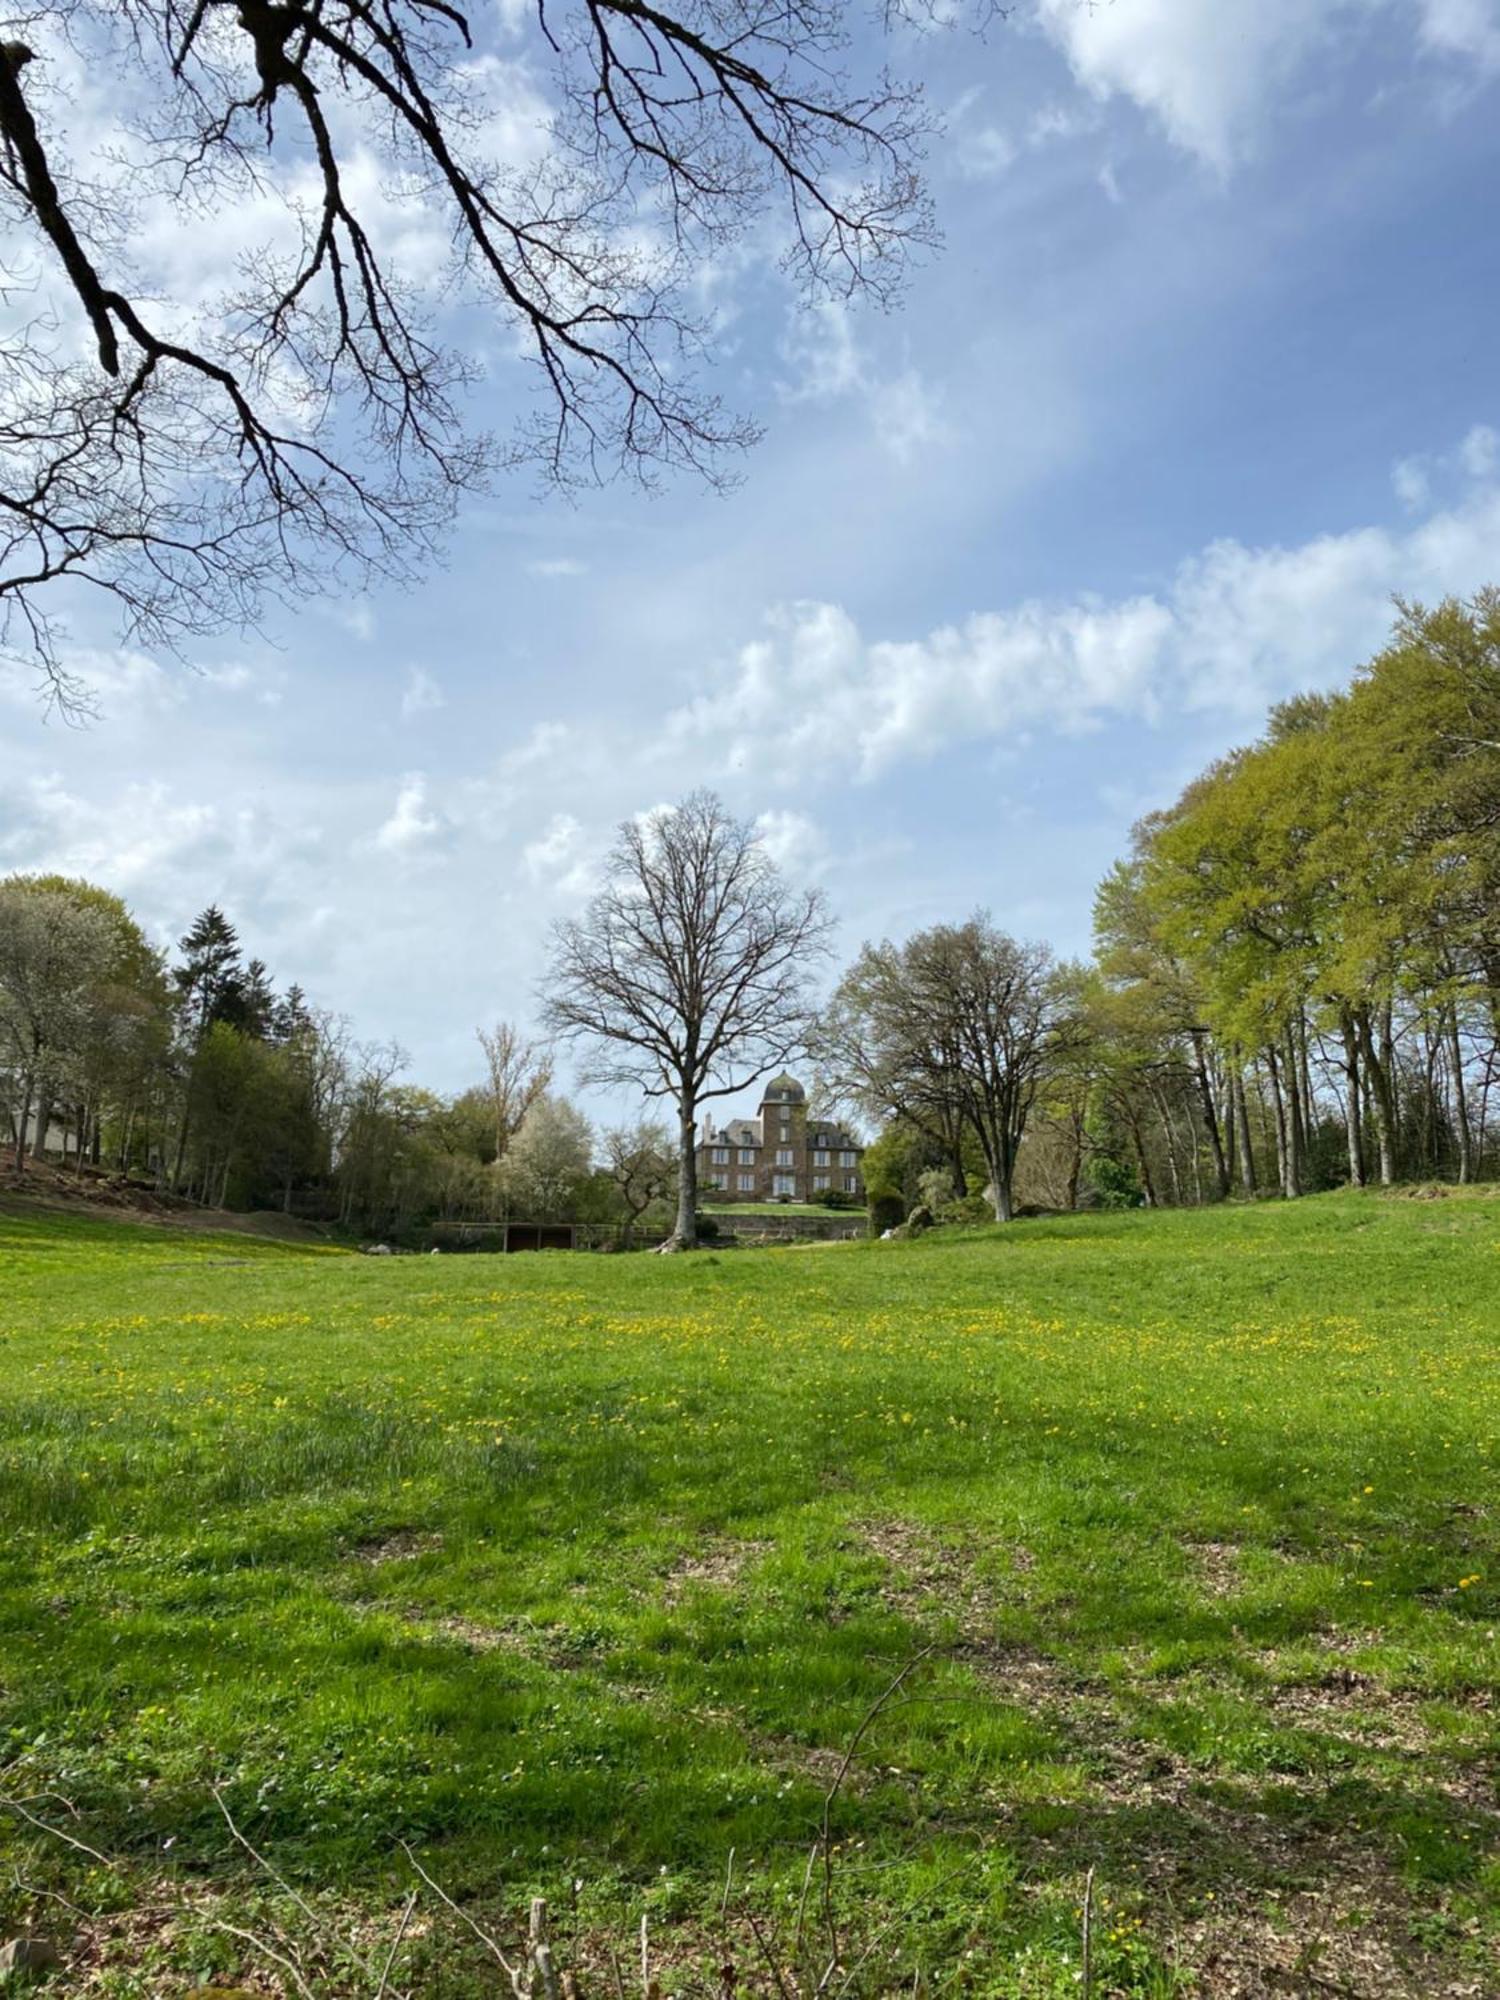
<point>783,1153</point>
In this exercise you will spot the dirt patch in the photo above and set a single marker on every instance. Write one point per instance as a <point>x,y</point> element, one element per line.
<point>1218,1567</point>
<point>1322,1943</point>
<point>402,1546</point>
<point>714,1565</point>
<point>935,1575</point>
<point>478,1638</point>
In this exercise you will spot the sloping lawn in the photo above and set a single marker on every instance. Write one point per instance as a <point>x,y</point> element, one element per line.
<point>580,1575</point>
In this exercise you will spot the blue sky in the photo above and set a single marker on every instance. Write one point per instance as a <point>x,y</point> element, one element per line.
<point>1205,372</point>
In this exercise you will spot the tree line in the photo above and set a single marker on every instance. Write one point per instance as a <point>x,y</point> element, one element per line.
<point>1295,983</point>
<point>192,1074</point>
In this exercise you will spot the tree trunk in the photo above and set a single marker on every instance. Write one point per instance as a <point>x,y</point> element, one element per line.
<point>1283,1099</point>
<point>1170,1135</point>
<point>1210,1115</point>
<point>23,1123</point>
<point>1382,1095</point>
<point>1353,1122</point>
<point>1075,1165</point>
<point>1460,1102</point>
<point>1247,1148</point>
<point>1297,1112</point>
<point>685,1235</point>
<point>1231,1138</point>
<point>1143,1164</point>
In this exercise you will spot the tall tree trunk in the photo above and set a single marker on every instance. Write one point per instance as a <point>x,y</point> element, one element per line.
<point>685,1235</point>
<point>1304,1070</point>
<point>1210,1114</point>
<point>1382,1093</point>
<point>1283,1097</point>
<point>23,1122</point>
<point>1461,1126</point>
<point>1169,1130</point>
<point>1297,1110</point>
<point>1247,1145</point>
<point>1143,1164</point>
<point>1353,1122</point>
<point>1075,1164</point>
<point>175,1178</point>
<point>1231,1138</point>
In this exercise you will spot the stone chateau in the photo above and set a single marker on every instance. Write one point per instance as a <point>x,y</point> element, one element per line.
<point>783,1152</point>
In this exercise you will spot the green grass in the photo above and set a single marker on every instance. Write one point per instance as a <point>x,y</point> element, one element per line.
<point>572,1570</point>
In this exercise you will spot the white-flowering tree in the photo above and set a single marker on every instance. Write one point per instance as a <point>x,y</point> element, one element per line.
<point>56,952</point>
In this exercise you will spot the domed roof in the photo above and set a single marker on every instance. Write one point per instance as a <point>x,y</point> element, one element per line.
<point>784,1089</point>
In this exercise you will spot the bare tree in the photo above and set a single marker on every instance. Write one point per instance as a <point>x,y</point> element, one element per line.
<point>188,456</point>
<point>876,1056</point>
<point>689,972</point>
<point>641,1161</point>
<point>954,1028</point>
<point>517,1073</point>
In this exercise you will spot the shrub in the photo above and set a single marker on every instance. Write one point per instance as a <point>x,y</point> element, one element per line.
<point>837,1198</point>
<point>887,1211</point>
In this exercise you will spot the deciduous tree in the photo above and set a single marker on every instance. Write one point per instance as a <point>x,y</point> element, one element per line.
<point>690,973</point>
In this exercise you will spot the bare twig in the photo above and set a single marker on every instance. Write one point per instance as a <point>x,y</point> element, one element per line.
<point>390,1957</point>
<point>766,1953</point>
<point>281,1882</point>
<point>876,1707</point>
<point>44,1826</point>
<point>512,1972</point>
<point>287,1964</point>
<point>1088,1934</point>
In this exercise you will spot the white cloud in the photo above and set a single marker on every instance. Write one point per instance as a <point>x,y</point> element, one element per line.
<point>422,694</point>
<point>1202,71</point>
<point>824,357</point>
<point>1463,28</point>
<point>1479,453</point>
<point>550,566</point>
<point>1109,182</point>
<point>985,152</point>
<point>793,841</point>
<point>1209,74</point>
<point>1234,629</point>
<point>413,824</point>
<point>357,616</point>
<point>1412,486</point>
<point>907,417</point>
<point>561,857</point>
<point>827,363</point>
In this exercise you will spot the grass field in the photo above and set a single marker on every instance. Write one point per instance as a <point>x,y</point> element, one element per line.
<point>580,1575</point>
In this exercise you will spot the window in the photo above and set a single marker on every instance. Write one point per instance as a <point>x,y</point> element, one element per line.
<point>820,1160</point>
<point>851,1184</point>
<point>820,1180</point>
<point>786,1132</point>
<point>721,1156</point>
<point>747,1183</point>
<point>846,1159</point>
<point>747,1156</point>
<point>783,1184</point>
<point>715,1184</point>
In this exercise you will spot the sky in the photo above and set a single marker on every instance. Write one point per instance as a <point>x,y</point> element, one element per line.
<point>1203,375</point>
